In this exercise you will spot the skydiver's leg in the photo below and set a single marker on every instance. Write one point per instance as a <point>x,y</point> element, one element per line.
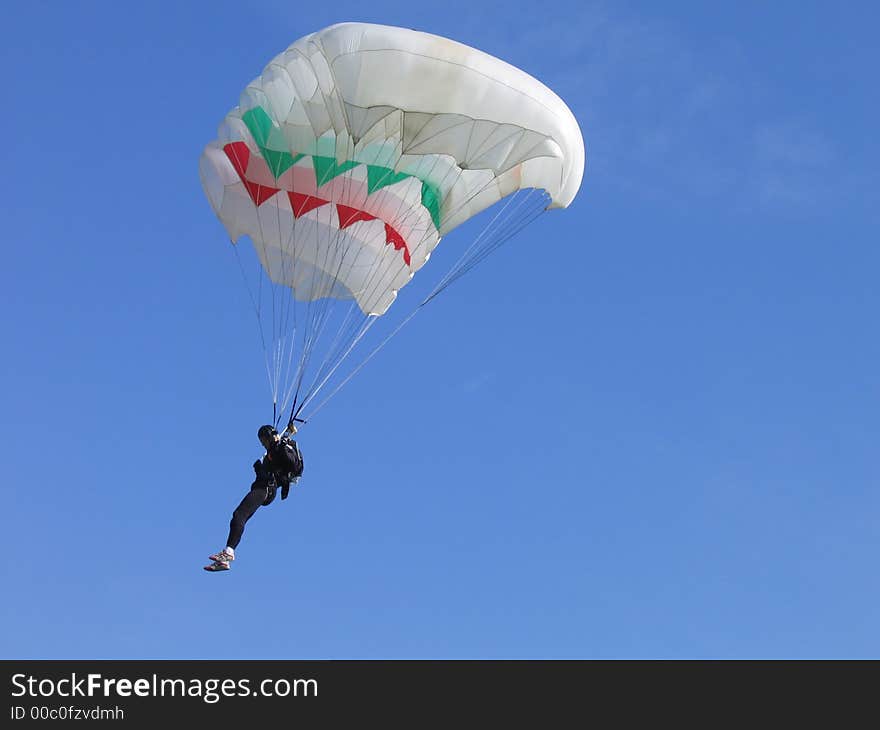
<point>244,512</point>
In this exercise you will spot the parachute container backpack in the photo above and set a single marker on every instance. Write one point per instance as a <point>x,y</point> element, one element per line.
<point>347,160</point>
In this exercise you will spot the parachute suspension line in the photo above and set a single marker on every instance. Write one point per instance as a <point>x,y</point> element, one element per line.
<point>495,237</point>
<point>404,216</point>
<point>291,308</point>
<point>349,335</point>
<point>279,293</point>
<point>318,325</point>
<point>362,363</point>
<point>305,350</point>
<point>325,303</point>
<point>346,333</point>
<point>474,245</point>
<point>261,252</point>
<point>371,287</point>
<point>341,346</point>
<point>450,212</point>
<point>272,296</point>
<point>468,256</point>
<point>363,330</point>
<point>360,335</point>
<point>316,317</point>
<point>288,365</point>
<point>288,391</point>
<point>256,307</point>
<point>276,320</point>
<point>315,310</point>
<point>317,313</point>
<point>287,336</point>
<point>502,236</point>
<point>521,216</point>
<point>373,281</point>
<point>294,382</point>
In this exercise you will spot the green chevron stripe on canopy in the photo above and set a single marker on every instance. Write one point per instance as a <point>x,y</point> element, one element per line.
<point>273,147</point>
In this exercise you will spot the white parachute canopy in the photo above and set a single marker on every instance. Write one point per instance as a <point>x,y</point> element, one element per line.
<point>356,150</point>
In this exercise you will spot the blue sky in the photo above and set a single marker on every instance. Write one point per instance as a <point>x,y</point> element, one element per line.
<point>645,428</point>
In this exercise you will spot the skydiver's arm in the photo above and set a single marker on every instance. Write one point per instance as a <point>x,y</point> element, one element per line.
<point>260,467</point>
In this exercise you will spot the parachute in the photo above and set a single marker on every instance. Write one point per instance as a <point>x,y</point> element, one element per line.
<point>347,161</point>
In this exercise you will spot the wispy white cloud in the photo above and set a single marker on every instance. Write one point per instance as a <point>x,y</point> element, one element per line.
<point>791,143</point>
<point>478,382</point>
<point>793,164</point>
<point>669,116</point>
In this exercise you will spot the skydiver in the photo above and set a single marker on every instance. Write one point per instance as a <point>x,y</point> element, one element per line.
<point>280,467</point>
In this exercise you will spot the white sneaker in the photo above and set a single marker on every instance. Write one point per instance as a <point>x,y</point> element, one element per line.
<point>217,565</point>
<point>222,557</point>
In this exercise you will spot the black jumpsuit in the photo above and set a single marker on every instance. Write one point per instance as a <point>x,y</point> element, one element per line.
<point>271,473</point>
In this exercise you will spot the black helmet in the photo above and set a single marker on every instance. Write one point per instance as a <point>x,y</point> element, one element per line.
<point>266,432</point>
